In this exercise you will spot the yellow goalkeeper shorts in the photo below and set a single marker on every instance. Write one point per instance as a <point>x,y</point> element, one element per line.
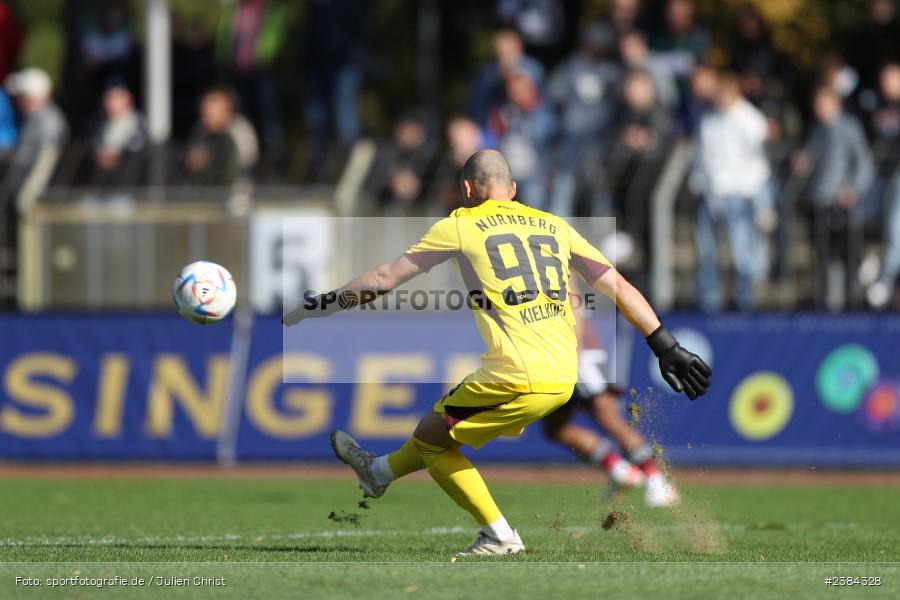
<point>475,413</point>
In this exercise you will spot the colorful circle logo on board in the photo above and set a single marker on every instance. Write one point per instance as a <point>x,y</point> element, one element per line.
<point>844,377</point>
<point>761,406</point>
<point>688,338</point>
<point>880,409</point>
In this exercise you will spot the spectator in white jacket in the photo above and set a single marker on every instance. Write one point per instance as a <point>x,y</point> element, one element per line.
<point>731,174</point>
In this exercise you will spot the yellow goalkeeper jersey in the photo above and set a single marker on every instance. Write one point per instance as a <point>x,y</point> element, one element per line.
<point>515,262</point>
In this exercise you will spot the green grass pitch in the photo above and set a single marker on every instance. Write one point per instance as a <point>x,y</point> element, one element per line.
<point>273,538</point>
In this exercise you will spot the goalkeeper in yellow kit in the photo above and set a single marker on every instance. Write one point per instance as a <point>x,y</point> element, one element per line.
<point>515,262</point>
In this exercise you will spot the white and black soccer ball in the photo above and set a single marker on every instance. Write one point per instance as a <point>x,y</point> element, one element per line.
<point>204,292</point>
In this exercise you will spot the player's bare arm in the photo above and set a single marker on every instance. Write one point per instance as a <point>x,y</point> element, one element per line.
<point>682,370</point>
<point>629,300</point>
<point>362,289</point>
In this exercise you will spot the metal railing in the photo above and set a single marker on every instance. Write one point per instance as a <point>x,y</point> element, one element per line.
<point>89,247</point>
<point>797,245</point>
<point>118,246</point>
<point>165,167</point>
<point>92,255</point>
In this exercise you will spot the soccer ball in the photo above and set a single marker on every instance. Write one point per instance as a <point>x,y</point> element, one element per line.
<point>204,292</point>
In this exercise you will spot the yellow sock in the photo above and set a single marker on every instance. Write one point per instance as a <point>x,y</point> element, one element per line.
<point>458,478</point>
<point>406,460</point>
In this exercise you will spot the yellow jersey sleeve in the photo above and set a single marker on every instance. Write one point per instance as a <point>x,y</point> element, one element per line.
<point>440,243</point>
<point>586,260</point>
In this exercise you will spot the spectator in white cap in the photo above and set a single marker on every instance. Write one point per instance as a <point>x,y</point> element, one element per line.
<point>43,134</point>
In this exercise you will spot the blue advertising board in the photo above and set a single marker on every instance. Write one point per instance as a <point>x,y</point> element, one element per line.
<point>789,389</point>
<point>92,386</point>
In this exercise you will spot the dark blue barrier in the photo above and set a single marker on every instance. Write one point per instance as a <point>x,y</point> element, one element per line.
<point>791,389</point>
<point>99,386</point>
<point>787,389</point>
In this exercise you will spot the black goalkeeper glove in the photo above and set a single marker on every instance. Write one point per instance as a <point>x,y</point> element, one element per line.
<point>684,371</point>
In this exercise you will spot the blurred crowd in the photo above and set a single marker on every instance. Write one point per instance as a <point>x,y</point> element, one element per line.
<point>588,133</point>
<point>587,111</point>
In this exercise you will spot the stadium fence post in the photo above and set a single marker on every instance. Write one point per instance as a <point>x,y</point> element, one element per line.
<point>663,224</point>
<point>226,447</point>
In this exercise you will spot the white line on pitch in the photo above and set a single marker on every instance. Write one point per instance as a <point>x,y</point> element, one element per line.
<point>362,533</point>
<point>231,537</point>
